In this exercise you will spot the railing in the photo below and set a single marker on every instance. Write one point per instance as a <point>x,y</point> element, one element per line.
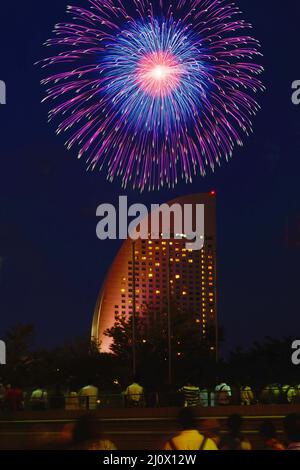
<point>206,398</point>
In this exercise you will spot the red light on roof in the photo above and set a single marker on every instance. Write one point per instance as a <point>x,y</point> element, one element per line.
<point>213,193</point>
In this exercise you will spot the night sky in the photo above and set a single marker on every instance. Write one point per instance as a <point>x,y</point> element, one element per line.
<point>51,263</point>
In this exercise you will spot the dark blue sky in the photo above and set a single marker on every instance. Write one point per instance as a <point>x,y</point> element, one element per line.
<point>53,264</point>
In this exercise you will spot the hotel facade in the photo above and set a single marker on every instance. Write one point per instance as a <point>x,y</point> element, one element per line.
<point>147,275</point>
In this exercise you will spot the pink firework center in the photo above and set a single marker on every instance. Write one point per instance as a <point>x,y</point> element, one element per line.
<point>158,74</point>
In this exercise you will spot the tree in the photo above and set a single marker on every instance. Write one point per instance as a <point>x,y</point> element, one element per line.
<point>19,342</point>
<point>189,351</point>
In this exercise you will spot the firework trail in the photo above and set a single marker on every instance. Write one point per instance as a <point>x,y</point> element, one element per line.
<point>154,92</point>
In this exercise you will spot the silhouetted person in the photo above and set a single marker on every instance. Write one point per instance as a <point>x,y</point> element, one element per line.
<point>57,400</point>
<point>86,435</point>
<point>292,430</point>
<point>71,396</point>
<point>235,440</point>
<point>14,398</point>
<point>189,438</point>
<point>2,396</point>
<point>268,432</point>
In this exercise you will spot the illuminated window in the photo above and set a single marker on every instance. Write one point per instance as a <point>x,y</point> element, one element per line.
<point>177,276</point>
<point>123,290</point>
<point>150,275</point>
<point>184,292</point>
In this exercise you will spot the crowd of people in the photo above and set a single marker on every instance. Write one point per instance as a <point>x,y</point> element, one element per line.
<point>192,435</point>
<point>72,397</point>
<point>85,434</point>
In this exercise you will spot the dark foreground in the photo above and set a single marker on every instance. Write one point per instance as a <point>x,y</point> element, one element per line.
<point>129,429</point>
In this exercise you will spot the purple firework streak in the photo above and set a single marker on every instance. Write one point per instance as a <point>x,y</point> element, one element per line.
<point>154,92</point>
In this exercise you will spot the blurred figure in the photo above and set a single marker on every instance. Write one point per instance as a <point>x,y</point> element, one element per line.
<point>223,394</point>
<point>71,396</point>
<point>212,429</point>
<point>191,394</point>
<point>86,436</point>
<point>134,394</point>
<point>235,398</point>
<point>289,394</point>
<point>247,395</point>
<point>270,395</point>
<point>235,440</point>
<point>189,438</point>
<point>13,398</point>
<point>2,396</point>
<point>268,432</point>
<point>292,430</point>
<point>297,399</point>
<point>57,399</point>
<point>39,399</point>
<point>89,396</point>
<point>205,398</point>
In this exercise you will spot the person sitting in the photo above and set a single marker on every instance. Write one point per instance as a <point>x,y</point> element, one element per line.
<point>39,399</point>
<point>134,394</point>
<point>189,438</point>
<point>247,395</point>
<point>89,396</point>
<point>223,394</point>
<point>191,394</point>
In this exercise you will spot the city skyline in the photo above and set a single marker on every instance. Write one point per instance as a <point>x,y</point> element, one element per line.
<point>52,263</point>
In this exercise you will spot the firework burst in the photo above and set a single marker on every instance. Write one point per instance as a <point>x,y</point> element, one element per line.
<point>154,92</point>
